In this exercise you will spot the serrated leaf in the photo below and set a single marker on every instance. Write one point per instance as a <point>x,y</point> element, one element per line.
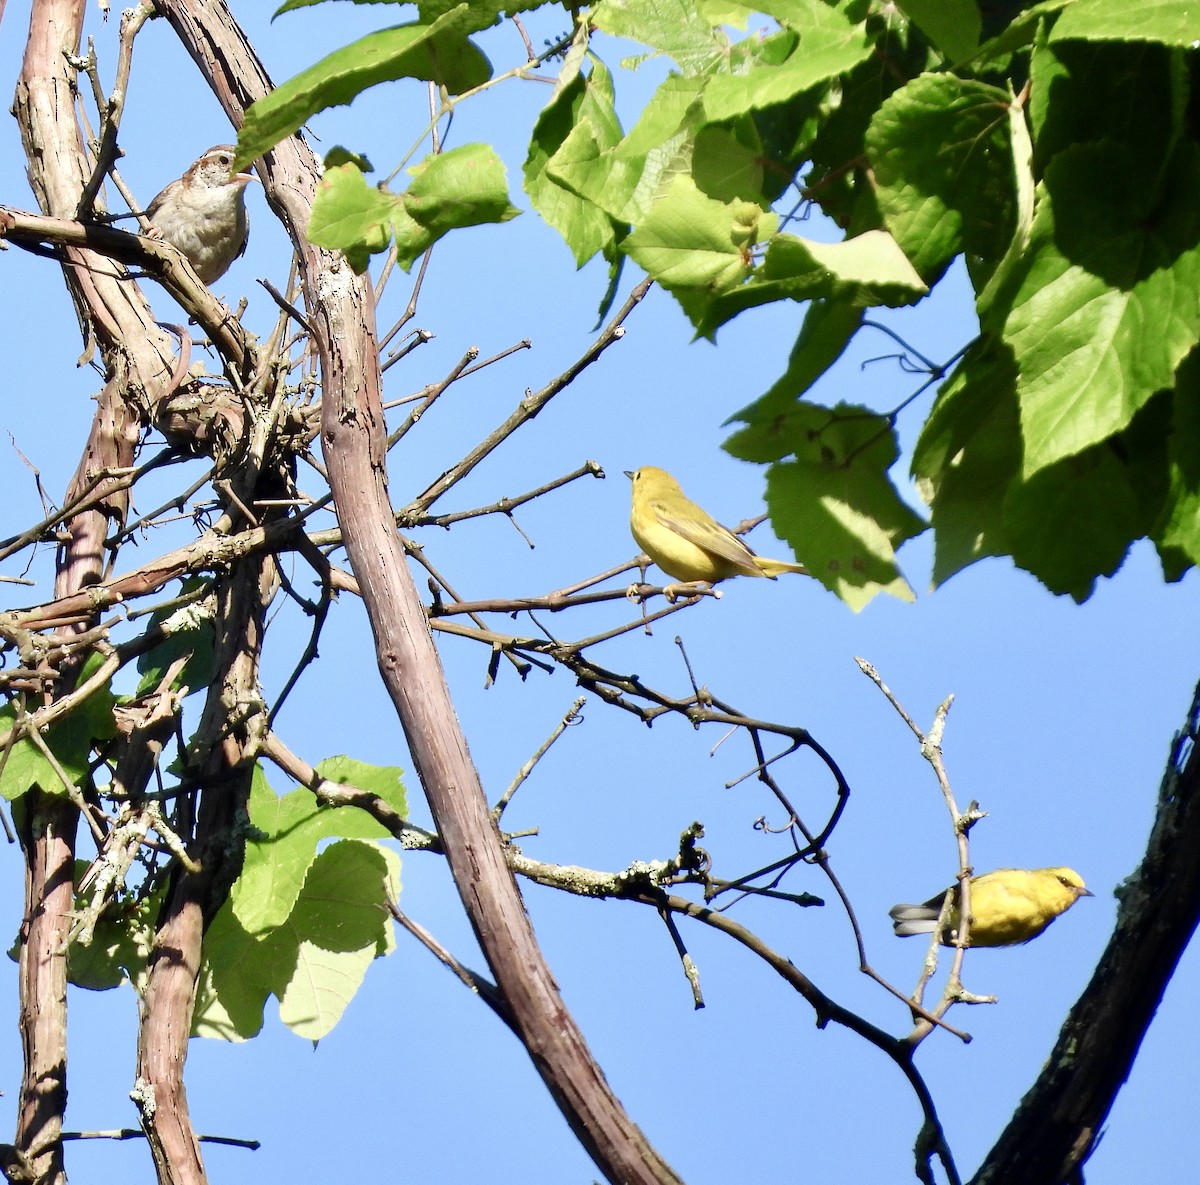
<point>942,165</point>
<point>581,113</point>
<point>465,186</point>
<point>1110,304</point>
<point>689,240</point>
<point>675,28</point>
<point>820,43</point>
<point>1087,499</point>
<point>343,926</point>
<point>834,502</point>
<point>437,52</point>
<point>1173,22</point>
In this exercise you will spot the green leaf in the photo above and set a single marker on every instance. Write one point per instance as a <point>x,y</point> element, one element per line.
<point>1018,33</point>
<point>835,504</point>
<point>438,52</point>
<point>675,28</point>
<point>869,269</point>
<point>287,832</point>
<point>582,114</point>
<point>968,457</point>
<point>463,187</point>
<point>70,739</point>
<point>1173,22</point>
<point>1075,520</point>
<point>343,925</point>
<point>952,25</point>
<point>1094,91</point>
<point>830,43</point>
<point>1110,303</point>
<point>384,781</point>
<point>350,216</point>
<point>689,240</point>
<point>942,162</point>
<point>314,961</point>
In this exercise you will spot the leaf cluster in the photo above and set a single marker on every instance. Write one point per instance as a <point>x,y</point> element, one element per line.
<point>1053,150</point>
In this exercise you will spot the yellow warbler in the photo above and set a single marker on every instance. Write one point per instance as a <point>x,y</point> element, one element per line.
<point>1008,906</point>
<point>685,541</point>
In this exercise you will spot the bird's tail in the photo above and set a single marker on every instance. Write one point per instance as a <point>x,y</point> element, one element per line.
<point>908,920</point>
<point>773,568</point>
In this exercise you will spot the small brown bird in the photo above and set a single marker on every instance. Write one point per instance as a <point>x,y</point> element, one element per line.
<point>1008,906</point>
<point>203,214</point>
<point>684,540</point>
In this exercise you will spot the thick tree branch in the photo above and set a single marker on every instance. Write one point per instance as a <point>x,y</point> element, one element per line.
<point>341,312</point>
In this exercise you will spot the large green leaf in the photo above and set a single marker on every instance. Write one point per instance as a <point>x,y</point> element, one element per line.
<point>1110,303</point>
<point>1173,22</point>
<point>833,501</point>
<point>578,126</point>
<point>675,28</point>
<point>824,43</point>
<point>313,961</point>
<point>942,165</point>
<point>437,52</point>
<point>688,240</point>
<point>287,831</point>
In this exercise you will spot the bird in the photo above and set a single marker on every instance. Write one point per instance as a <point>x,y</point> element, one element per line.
<point>684,540</point>
<point>1008,907</point>
<point>203,214</point>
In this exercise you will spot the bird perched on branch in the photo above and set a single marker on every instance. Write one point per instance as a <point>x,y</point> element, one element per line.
<point>685,541</point>
<point>203,214</point>
<point>1008,906</point>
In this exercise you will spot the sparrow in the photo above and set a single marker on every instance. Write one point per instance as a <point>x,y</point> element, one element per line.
<point>203,214</point>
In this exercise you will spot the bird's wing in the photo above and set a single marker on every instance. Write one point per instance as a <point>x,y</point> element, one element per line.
<point>705,532</point>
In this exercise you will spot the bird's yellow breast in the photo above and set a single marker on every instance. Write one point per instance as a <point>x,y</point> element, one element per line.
<point>675,555</point>
<point>1014,905</point>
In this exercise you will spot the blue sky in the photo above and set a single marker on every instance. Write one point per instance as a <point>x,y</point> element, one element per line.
<point>1062,720</point>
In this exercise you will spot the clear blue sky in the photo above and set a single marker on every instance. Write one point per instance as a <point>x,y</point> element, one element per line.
<point>1061,724</point>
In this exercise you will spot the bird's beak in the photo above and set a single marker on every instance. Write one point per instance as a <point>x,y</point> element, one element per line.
<point>243,178</point>
<point>1086,893</point>
<point>628,473</point>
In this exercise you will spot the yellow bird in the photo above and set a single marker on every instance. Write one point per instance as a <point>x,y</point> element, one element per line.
<point>685,541</point>
<point>1008,906</point>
